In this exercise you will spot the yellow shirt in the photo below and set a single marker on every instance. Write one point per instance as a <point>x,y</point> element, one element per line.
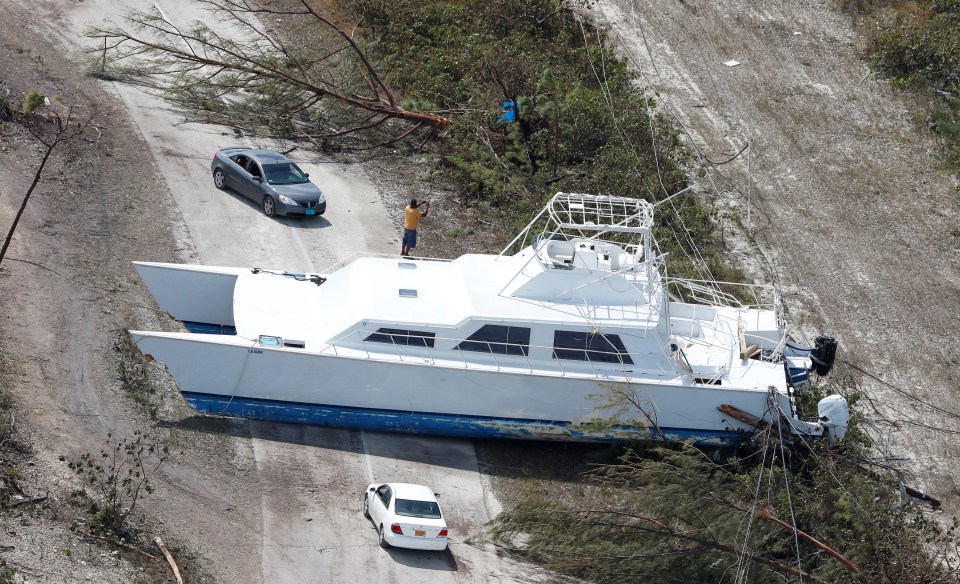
<point>412,219</point>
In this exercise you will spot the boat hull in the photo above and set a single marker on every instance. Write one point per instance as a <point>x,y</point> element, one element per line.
<point>230,376</point>
<point>196,295</point>
<point>443,424</point>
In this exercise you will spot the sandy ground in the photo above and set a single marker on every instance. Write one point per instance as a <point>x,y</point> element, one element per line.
<point>841,189</point>
<point>843,197</point>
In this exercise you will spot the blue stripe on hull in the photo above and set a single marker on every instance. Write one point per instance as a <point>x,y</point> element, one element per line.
<point>441,424</point>
<point>205,328</point>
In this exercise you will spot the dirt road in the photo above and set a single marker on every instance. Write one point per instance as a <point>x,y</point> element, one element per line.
<point>258,502</point>
<point>847,204</point>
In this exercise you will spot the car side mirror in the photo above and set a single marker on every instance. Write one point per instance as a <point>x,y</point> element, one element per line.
<point>306,174</point>
<point>257,178</point>
<point>372,489</point>
<point>436,495</point>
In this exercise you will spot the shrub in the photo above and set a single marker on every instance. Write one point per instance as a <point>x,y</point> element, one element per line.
<point>118,477</point>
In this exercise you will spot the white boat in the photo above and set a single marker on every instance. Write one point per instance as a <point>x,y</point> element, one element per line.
<point>534,342</point>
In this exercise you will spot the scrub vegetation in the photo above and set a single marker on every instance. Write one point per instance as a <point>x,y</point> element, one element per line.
<point>677,514</point>
<point>916,43</point>
<point>117,479</point>
<point>581,123</point>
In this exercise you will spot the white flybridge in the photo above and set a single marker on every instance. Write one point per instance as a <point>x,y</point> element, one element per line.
<point>531,344</point>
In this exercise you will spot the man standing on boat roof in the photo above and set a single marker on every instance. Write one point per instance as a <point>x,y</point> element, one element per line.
<point>411,221</point>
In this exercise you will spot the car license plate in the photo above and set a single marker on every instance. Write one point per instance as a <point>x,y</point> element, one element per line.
<point>311,211</point>
<point>419,532</point>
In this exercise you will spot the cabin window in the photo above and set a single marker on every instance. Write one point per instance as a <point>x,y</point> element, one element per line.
<point>499,339</point>
<point>584,346</point>
<point>403,337</point>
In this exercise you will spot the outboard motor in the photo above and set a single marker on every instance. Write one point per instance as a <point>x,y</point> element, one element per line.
<point>834,416</point>
<point>823,355</point>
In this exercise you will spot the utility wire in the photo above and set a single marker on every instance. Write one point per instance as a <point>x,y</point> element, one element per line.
<point>900,391</point>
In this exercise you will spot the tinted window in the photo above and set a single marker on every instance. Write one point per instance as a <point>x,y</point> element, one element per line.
<point>384,494</point>
<point>583,346</point>
<point>284,173</point>
<point>500,339</point>
<point>402,337</point>
<point>422,509</point>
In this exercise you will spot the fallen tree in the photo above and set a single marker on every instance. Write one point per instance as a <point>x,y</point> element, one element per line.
<point>254,81</point>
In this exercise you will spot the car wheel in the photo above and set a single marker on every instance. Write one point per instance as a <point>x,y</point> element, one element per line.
<point>219,180</point>
<point>269,206</point>
<point>383,541</point>
<point>366,507</point>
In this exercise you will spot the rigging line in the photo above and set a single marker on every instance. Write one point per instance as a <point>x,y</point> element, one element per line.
<point>701,264</point>
<point>786,483</point>
<point>604,84</point>
<point>906,419</point>
<point>668,103</point>
<point>820,461</point>
<point>898,390</point>
<point>697,259</point>
<point>703,268</point>
<point>741,565</point>
<point>643,35</point>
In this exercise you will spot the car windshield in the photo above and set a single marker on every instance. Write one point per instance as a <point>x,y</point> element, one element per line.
<point>284,173</point>
<point>421,509</point>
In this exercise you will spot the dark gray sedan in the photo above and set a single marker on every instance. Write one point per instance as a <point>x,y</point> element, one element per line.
<point>269,178</point>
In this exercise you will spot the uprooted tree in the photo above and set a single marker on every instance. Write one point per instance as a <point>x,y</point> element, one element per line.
<point>242,73</point>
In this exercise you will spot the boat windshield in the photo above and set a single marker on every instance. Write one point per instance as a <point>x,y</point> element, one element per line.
<point>421,509</point>
<point>284,173</point>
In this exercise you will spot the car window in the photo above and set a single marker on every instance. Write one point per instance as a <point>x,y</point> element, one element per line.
<point>240,159</point>
<point>253,168</point>
<point>421,509</point>
<point>284,173</point>
<point>384,493</point>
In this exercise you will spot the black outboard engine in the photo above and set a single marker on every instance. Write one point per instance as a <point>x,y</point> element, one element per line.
<point>823,355</point>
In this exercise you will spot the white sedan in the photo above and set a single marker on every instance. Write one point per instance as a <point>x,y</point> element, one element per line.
<point>406,516</point>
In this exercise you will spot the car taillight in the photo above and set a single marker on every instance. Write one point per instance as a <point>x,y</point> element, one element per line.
<point>396,528</point>
<point>443,532</point>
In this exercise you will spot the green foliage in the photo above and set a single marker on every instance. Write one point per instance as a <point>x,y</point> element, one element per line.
<point>917,44</point>
<point>9,368</point>
<point>677,512</point>
<point>132,372</point>
<point>7,573</point>
<point>118,478</point>
<point>6,111</point>
<point>583,123</point>
<point>457,232</point>
<point>33,101</point>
